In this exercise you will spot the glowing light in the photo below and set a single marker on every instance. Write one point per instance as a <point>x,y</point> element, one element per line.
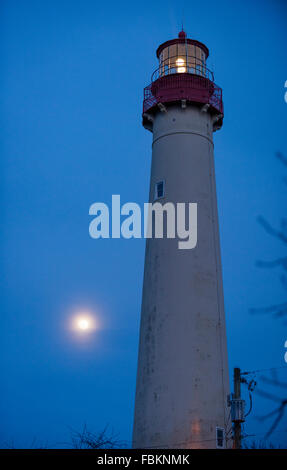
<point>83,322</point>
<point>180,66</point>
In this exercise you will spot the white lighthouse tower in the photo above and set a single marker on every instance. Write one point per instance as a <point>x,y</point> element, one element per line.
<point>182,378</point>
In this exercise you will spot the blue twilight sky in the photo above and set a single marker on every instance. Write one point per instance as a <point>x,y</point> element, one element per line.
<point>71,96</point>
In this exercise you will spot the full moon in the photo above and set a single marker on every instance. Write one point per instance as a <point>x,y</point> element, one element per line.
<point>83,322</point>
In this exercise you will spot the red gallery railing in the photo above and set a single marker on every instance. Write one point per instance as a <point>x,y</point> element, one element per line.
<point>183,86</point>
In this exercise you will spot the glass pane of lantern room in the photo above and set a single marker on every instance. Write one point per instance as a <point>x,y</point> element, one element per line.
<point>164,62</point>
<point>198,61</point>
<point>191,58</point>
<point>181,51</point>
<point>172,58</point>
<point>181,58</point>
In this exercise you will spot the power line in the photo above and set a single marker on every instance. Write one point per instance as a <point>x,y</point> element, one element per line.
<point>263,370</point>
<point>263,433</point>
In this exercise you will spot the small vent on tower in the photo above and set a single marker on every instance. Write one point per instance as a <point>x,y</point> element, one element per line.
<point>159,190</point>
<point>220,438</point>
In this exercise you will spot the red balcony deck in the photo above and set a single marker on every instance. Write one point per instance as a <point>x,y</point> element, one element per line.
<point>175,87</point>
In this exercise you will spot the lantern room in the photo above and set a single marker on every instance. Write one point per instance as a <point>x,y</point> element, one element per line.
<point>182,55</point>
<point>182,77</point>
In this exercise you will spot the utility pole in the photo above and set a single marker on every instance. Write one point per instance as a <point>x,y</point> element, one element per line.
<point>237,396</point>
<point>237,408</point>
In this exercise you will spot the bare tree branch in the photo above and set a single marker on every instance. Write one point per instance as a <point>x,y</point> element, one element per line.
<point>272,264</point>
<point>281,157</point>
<point>278,310</point>
<point>281,235</point>
<point>86,439</point>
<point>280,410</point>
<point>274,382</point>
<point>269,396</point>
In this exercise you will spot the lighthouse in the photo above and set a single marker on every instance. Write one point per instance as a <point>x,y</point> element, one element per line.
<point>182,377</point>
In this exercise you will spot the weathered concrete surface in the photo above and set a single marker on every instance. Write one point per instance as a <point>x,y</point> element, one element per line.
<point>182,380</point>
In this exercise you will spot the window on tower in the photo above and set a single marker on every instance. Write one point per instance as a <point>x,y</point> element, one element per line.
<point>159,190</point>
